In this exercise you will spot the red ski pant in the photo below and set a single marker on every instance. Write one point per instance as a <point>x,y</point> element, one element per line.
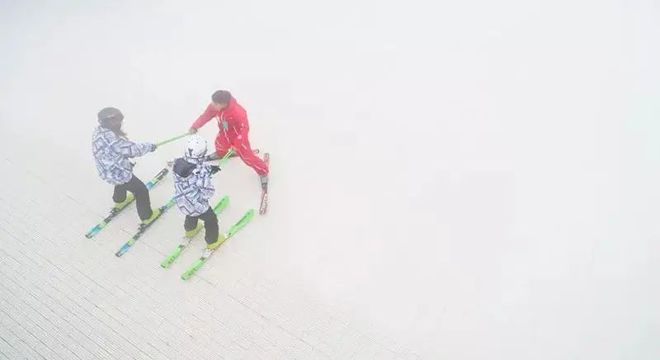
<point>243,149</point>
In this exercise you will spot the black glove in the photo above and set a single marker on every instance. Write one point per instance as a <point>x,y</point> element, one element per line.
<point>153,147</point>
<point>215,169</point>
<point>211,157</point>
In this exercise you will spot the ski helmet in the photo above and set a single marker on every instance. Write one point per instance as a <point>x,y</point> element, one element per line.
<point>110,113</point>
<point>196,147</point>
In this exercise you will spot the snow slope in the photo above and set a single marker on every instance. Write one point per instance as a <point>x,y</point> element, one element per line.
<point>473,180</point>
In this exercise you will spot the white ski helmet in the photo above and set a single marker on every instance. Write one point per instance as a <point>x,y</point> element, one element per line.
<point>196,147</point>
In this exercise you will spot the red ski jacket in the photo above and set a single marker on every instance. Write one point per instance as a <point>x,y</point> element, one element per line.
<point>232,120</point>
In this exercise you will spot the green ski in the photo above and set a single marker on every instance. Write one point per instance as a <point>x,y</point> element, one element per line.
<point>221,205</point>
<point>115,211</point>
<point>142,228</point>
<point>207,252</point>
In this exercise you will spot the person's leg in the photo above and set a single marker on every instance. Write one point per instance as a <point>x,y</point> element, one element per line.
<point>120,197</point>
<point>190,223</point>
<point>210,226</point>
<point>141,193</point>
<point>119,194</point>
<point>191,226</point>
<point>222,145</point>
<point>250,158</point>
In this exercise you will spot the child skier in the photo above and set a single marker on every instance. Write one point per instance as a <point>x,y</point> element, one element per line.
<point>233,125</point>
<point>111,152</point>
<point>193,189</point>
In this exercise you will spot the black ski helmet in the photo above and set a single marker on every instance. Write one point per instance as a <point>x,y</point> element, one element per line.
<point>110,113</point>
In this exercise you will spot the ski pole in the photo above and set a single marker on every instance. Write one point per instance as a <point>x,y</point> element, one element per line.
<point>172,139</point>
<point>227,156</point>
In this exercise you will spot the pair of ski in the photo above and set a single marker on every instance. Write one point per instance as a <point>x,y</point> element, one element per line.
<point>115,211</point>
<point>143,227</point>
<point>222,204</point>
<point>190,271</point>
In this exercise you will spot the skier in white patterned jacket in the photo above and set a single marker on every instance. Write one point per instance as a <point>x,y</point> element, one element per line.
<point>193,190</point>
<point>112,149</point>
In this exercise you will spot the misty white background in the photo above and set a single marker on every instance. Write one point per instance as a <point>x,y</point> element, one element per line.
<point>475,179</point>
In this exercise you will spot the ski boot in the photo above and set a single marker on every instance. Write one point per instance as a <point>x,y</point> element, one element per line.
<point>155,214</point>
<point>214,245</point>
<point>264,182</point>
<point>191,233</point>
<point>120,205</point>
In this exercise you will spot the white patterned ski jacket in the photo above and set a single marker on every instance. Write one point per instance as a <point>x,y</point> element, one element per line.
<point>192,185</point>
<point>111,153</point>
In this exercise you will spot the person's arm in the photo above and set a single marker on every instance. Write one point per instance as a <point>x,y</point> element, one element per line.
<point>131,149</point>
<point>206,189</point>
<point>205,117</point>
<point>211,157</point>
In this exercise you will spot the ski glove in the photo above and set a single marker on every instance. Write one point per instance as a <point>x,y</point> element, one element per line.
<point>153,147</point>
<point>215,169</point>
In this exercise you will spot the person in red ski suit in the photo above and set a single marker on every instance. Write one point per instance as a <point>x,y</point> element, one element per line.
<point>234,128</point>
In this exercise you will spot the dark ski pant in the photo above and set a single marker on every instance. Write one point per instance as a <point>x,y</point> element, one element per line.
<point>210,225</point>
<point>141,193</point>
